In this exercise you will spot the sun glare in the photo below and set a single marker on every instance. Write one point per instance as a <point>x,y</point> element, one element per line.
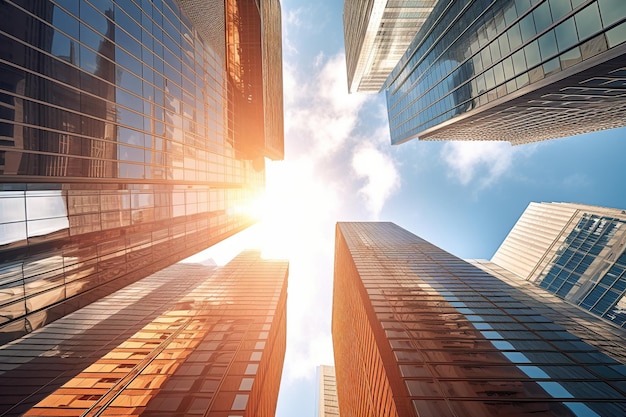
<point>292,209</point>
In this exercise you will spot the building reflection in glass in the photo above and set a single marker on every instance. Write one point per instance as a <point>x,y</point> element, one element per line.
<point>557,63</point>
<point>199,345</point>
<point>117,117</point>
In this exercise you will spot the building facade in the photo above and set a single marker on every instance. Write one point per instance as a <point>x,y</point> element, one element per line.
<point>132,135</point>
<point>328,405</point>
<point>574,251</point>
<point>420,332</point>
<point>507,70</point>
<point>376,34</point>
<point>211,344</point>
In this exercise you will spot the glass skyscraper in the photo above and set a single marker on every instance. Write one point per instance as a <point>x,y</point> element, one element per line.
<point>377,33</point>
<point>510,70</point>
<point>133,134</point>
<point>575,251</point>
<point>420,332</point>
<point>189,340</point>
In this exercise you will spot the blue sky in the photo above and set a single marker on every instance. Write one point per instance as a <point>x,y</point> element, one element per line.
<point>339,166</point>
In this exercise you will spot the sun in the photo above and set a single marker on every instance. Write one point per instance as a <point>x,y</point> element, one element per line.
<point>292,209</point>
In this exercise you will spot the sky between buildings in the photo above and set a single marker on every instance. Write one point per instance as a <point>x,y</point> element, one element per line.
<point>339,166</point>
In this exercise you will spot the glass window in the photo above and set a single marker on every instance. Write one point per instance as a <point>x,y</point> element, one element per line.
<point>128,61</point>
<point>588,21</point>
<point>246,384</point>
<point>527,27</point>
<point>612,11</point>
<point>128,24</point>
<point>240,402</point>
<point>522,6</point>
<point>88,60</point>
<point>45,204</point>
<point>103,5</point>
<point>131,8</point>
<point>543,18</point>
<point>62,46</point>
<point>66,22</point>
<point>519,62</point>
<point>533,57</point>
<point>566,35</point>
<point>515,37</point>
<point>127,42</point>
<point>12,232</point>
<point>560,8</point>
<point>94,18</point>
<point>617,35</point>
<point>503,40</point>
<point>547,45</point>
<point>69,5</point>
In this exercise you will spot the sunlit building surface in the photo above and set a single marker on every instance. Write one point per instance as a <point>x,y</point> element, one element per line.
<point>575,251</point>
<point>511,70</point>
<point>188,340</point>
<point>376,34</point>
<point>133,134</point>
<point>328,406</point>
<point>420,332</point>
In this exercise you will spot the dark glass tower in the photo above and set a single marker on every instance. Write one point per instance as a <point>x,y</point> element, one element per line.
<point>514,70</point>
<point>132,135</point>
<point>189,340</point>
<point>420,332</point>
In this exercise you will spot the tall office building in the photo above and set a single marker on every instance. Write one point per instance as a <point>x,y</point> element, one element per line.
<point>327,405</point>
<point>188,340</point>
<point>510,70</point>
<point>420,332</point>
<point>132,135</point>
<point>377,33</point>
<point>575,251</point>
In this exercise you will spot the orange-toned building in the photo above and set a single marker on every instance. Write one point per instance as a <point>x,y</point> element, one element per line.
<point>133,134</point>
<point>418,332</point>
<point>188,340</point>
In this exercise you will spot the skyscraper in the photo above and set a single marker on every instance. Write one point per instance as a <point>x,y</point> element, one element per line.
<point>514,70</point>
<point>575,251</point>
<point>377,33</point>
<point>327,405</point>
<point>132,135</point>
<point>188,340</point>
<point>420,332</point>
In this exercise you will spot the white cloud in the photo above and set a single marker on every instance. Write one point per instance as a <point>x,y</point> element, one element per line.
<point>320,115</point>
<point>483,162</point>
<point>381,176</point>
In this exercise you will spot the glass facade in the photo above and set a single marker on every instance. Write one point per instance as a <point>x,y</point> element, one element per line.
<point>122,143</point>
<point>163,346</point>
<point>482,69</point>
<point>376,34</point>
<point>417,331</point>
<point>573,251</point>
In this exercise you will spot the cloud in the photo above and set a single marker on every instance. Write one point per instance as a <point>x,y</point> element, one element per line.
<point>480,162</point>
<point>381,175</point>
<point>320,115</point>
